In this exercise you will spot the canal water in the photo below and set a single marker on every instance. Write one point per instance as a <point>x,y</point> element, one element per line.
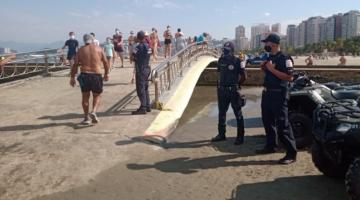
<point>200,118</point>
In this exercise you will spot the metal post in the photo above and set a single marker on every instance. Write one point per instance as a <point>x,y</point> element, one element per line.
<point>46,59</point>
<point>169,75</point>
<point>157,102</point>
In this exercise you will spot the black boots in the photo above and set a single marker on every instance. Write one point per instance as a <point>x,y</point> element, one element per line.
<point>139,112</point>
<point>219,138</point>
<point>239,139</point>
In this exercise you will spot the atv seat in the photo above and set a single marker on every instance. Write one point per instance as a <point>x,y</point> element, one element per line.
<point>346,94</point>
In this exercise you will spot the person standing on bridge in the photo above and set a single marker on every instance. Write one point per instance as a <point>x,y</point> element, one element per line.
<point>73,47</point>
<point>118,44</point>
<point>109,51</point>
<point>95,41</point>
<point>168,42</point>
<point>154,41</point>
<point>141,55</point>
<point>180,41</point>
<point>274,104</point>
<point>231,75</point>
<point>131,42</point>
<point>90,57</point>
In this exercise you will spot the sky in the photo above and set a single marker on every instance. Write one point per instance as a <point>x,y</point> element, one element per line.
<point>48,21</point>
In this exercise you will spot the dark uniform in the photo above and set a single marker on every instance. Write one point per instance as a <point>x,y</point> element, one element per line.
<point>141,56</point>
<point>274,106</point>
<point>230,68</point>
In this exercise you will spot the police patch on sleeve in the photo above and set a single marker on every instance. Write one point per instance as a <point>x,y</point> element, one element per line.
<point>231,67</point>
<point>289,63</point>
<point>242,65</point>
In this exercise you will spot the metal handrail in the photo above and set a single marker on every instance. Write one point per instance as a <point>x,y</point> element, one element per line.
<point>28,64</point>
<point>165,74</point>
<point>31,52</point>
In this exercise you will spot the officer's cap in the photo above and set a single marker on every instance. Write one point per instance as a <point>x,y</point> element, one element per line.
<point>229,46</point>
<point>272,37</point>
<point>141,35</point>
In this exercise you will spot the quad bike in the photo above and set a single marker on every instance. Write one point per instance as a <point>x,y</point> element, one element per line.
<point>336,149</point>
<point>305,96</point>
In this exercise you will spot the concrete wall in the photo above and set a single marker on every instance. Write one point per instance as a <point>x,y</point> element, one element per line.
<point>318,74</point>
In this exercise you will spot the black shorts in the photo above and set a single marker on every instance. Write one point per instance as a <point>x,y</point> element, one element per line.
<point>167,41</point>
<point>119,49</point>
<point>91,82</point>
<point>71,56</point>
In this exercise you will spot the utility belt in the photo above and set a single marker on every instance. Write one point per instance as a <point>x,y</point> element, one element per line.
<point>269,89</point>
<point>229,87</point>
<point>139,69</point>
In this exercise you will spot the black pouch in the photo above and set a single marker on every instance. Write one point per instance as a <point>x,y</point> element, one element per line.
<point>242,100</point>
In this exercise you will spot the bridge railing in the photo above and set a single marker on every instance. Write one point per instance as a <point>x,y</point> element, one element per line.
<point>32,62</point>
<point>164,75</point>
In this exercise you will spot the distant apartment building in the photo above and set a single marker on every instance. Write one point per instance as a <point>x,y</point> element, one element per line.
<point>300,35</point>
<point>241,42</point>
<point>244,44</point>
<point>330,29</point>
<point>350,24</point>
<point>290,33</point>
<point>5,50</point>
<point>312,32</point>
<point>258,44</point>
<point>276,28</point>
<point>240,32</point>
<point>256,32</point>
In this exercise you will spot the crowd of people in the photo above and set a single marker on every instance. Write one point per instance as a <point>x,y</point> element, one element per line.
<point>141,47</point>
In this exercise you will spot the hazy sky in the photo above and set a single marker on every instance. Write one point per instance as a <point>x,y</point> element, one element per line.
<point>50,20</point>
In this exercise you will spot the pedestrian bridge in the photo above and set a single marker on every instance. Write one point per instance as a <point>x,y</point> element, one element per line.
<point>36,95</point>
<point>174,82</point>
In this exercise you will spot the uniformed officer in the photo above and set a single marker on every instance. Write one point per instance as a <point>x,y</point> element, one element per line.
<point>274,105</point>
<point>141,56</point>
<point>231,75</point>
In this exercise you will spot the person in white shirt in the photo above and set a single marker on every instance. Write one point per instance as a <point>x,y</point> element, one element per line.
<point>95,41</point>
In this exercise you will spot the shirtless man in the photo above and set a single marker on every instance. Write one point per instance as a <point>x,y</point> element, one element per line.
<point>342,60</point>
<point>309,61</point>
<point>4,61</point>
<point>90,58</point>
<point>131,41</point>
<point>168,40</point>
<point>154,38</point>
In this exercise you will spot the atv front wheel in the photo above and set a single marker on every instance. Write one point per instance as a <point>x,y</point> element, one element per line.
<point>301,125</point>
<point>324,164</point>
<point>352,180</point>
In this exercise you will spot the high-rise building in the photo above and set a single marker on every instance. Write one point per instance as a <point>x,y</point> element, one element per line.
<point>276,28</point>
<point>258,30</point>
<point>323,31</point>
<point>300,35</point>
<point>259,38</point>
<point>313,30</point>
<point>290,32</point>
<point>240,32</point>
<point>338,25</point>
<point>240,39</point>
<point>243,44</point>
<point>350,24</point>
<point>331,30</point>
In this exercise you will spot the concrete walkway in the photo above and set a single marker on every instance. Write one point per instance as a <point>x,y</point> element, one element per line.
<point>43,148</point>
<point>46,155</point>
